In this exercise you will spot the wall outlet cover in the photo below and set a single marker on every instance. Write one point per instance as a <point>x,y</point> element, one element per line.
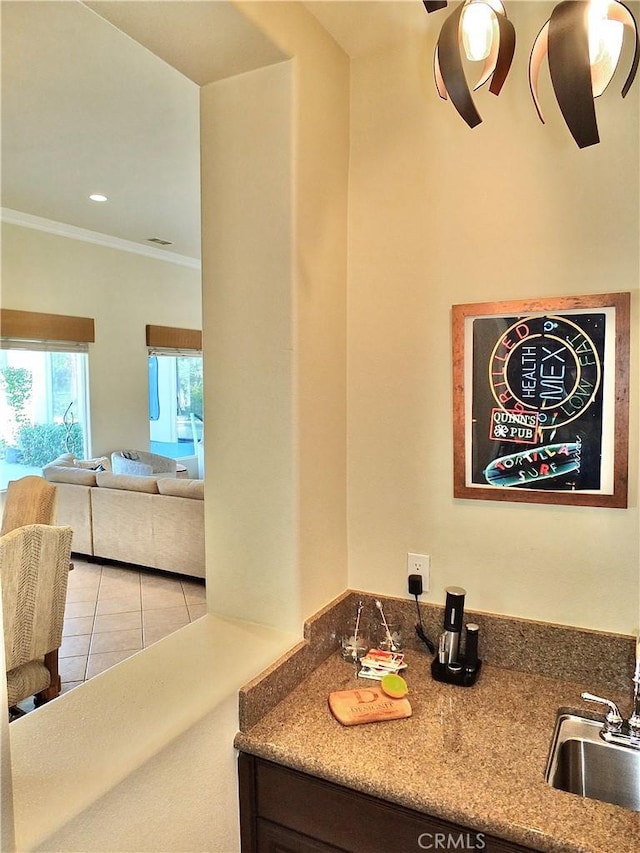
<point>420,564</point>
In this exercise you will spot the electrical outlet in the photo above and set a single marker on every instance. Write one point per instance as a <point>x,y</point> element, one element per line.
<point>420,564</point>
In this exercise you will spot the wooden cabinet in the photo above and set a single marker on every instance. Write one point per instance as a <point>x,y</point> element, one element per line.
<point>285,811</point>
<point>273,838</point>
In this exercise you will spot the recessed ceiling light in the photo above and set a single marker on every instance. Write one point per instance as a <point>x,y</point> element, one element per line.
<point>98,197</point>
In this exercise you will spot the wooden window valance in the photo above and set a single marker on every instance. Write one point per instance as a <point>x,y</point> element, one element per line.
<point>168,337</point>
<point>33,326</point>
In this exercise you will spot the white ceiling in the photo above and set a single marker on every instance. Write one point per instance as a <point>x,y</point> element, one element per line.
<point>86,108</point>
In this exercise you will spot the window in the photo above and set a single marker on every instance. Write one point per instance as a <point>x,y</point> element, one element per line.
<point>175,403</point>
<point>43,409</point>
<point>43,390</point>
<point>175,391</point>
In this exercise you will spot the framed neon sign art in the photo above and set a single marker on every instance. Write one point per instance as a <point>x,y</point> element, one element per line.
<point>541,400</point>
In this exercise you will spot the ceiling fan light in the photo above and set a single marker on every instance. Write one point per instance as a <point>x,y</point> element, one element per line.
<point>605,40</point>
<point>477,30</point>
<point>583,50</point>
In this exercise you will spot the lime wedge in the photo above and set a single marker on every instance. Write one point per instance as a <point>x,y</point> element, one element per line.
<point>394,685</point>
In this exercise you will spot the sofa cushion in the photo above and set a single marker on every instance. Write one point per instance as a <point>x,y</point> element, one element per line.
<point>131,466</point>
<point>181,488</point>
<point>64,459</point>
<point>69,474</point>
<point>132,462</point>
<point>100,463</point>
<point>128,482</point>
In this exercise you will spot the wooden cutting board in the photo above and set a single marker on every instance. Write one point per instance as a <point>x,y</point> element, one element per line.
<point>366,705</point>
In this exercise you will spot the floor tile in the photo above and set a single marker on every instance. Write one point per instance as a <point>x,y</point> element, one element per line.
<point>72,669</point>
<point>116,641</point>
<point>109,571</point>
<point>74,626</point>
<point>79,608</point>
<point>160,623</point>
<point>117,621</point>
<point>196,611</point>
<point>82,592</point>
<point>151,635</point>
<point>100,662</point>
<point>156,598</point>
<point>114,611</point>
<point>69,685</point>
<point>194,592</point>
<point>118,587</point>
<point>167,615</point>
<point>121,604</point>
<point>74,645</point>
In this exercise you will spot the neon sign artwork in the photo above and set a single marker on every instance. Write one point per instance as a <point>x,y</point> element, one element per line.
<point>537,403</point>
<point>541,400</point>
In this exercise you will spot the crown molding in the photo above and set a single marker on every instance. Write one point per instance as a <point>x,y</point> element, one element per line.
<point>61,229</point>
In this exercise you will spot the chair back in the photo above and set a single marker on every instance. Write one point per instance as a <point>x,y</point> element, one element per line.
<point>34,569</point>
<point>30,500</point>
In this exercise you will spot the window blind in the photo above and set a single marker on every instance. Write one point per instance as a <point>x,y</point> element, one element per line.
<point>169,340</point>
<point>33,330</point>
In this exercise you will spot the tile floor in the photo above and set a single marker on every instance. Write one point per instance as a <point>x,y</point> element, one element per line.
<point>114,611</point>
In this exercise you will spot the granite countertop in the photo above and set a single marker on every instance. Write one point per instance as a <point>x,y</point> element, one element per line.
<point>473,756</point>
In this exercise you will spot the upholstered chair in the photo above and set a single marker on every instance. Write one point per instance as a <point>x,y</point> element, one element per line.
<point>34,568</point>
<point>30,500</point>
<point>142,463</point>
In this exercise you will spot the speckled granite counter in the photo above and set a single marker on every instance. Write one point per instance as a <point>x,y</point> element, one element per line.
<point>473,756</point>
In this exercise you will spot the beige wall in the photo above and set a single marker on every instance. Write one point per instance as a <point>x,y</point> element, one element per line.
<point>123,292</point>
<point>246,203</point>
<point>442,214</point>
<point>275,261</point>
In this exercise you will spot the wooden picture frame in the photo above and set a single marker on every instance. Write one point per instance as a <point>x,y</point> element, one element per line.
<point>541,400</point>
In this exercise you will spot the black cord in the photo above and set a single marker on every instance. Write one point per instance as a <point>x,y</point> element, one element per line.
<point>421,633</point>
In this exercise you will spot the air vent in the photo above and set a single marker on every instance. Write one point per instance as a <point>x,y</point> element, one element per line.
<point>159,242</point>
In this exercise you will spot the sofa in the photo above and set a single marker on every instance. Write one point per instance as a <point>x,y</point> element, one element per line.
<point>142,462</point>
<point>152,521</point>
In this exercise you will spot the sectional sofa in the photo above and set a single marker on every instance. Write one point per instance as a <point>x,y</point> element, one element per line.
<point>153,521</point>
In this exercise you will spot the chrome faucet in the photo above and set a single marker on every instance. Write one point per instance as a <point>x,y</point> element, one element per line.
<point>615,730</point>
<point>613,722</point>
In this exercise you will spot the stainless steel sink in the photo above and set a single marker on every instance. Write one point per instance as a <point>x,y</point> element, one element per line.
<point>582,763</point>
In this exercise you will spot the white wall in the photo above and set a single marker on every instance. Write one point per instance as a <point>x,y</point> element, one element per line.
<point>275,166</point>
<point>441,214</point>
<point>123,292</point>
<point>248,315</point>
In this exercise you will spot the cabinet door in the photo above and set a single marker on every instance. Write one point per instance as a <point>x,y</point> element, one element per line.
<point>309,810</point>
<point>277,839</point>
